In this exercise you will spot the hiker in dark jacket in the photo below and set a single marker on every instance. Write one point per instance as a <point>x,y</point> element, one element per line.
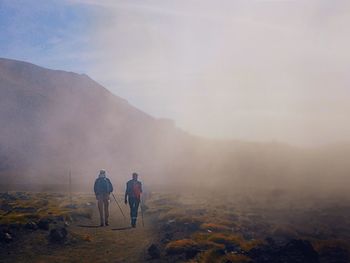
<point>103,187</point>
<point>133,195</point>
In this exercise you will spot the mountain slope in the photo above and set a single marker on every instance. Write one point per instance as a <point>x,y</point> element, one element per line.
<point>55,121</point>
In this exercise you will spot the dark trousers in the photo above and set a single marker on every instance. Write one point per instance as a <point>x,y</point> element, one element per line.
<point>134,207</point>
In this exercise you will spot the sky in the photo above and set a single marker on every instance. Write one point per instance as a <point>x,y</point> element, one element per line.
<point>256,70</point>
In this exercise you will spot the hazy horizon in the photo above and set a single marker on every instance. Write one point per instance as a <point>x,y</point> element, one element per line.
<point>266,71</point>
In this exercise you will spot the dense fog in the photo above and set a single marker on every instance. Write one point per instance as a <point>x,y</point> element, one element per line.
<point>54,122</point>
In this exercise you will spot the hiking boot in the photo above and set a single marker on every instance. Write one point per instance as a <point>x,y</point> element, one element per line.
<point>133,222</point>
<point>106,224</point>
<point>101,224</point>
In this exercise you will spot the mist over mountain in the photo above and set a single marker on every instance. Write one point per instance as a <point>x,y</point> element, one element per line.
<point>54,121</point>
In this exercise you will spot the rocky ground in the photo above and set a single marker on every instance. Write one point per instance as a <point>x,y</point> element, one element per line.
<point>46,227</point>
<point>49,227</point>
<point>272,227</point>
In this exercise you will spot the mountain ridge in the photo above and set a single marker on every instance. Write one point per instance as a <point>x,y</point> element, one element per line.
<point>53,122</point>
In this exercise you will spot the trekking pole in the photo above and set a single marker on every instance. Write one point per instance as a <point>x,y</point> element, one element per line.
<point>119,206</point>
<point>143,224</point>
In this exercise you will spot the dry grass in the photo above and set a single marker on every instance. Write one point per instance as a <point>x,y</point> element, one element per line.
<point>248,245</point>
<point>217,256</point>
<point>222,238</point>
<point>43,205</point>
<point>236,258</point>
<point>180,246</point>
<point>210,256</point>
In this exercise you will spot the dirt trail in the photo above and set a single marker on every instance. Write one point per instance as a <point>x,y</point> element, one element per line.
<point>114,243</point>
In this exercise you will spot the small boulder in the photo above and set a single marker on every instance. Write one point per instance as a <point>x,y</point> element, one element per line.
<point>31,226</point>
<point>7,238</point>
<point>58,235</point>
<point>44,224</point>
<point>154,251</point>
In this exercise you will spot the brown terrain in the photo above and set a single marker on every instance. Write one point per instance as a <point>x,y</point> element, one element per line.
<point>183,227</point>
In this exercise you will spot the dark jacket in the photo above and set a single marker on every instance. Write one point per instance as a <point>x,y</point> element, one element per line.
<point>133,189</point>
<point>103,186</point>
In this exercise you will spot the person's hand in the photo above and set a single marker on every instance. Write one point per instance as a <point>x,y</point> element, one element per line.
<point>126,201</point>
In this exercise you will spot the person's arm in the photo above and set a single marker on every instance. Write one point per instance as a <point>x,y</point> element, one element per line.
<point>96,188</point>
<point>126,194</point>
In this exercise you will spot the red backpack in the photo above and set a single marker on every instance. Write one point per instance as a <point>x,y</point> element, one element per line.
<point>136,189</point>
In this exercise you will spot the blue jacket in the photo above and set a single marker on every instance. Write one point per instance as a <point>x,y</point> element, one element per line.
<point>103,186</point>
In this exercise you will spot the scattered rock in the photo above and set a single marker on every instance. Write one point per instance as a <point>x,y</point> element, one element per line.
<point>44,224</point>
<point>58,235</point>
<point>7,238</point>
<point>31,226</point>
<point>295,251</point>
<point>154,251</point>
<point>231,247</point>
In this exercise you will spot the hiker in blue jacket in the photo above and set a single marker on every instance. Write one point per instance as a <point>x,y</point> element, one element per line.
<point>133,195</point>
<point>103,188</point>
